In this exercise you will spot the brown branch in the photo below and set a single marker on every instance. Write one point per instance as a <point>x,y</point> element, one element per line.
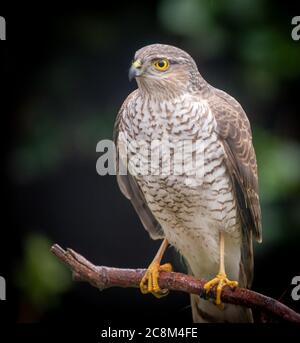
<point>106,277</point>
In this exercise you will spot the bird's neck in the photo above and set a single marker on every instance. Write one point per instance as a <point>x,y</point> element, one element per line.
<point>164,90</point>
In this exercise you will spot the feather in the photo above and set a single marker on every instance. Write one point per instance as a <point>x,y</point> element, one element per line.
<point>235,133</point>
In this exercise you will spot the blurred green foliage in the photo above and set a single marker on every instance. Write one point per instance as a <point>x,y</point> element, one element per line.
<point>279,182</point>
<point>52,139</point>
<point>279,162</point>
<point>263,51</point>
<point>40,277</point>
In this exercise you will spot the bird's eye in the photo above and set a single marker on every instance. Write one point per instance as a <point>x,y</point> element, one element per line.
<point>162,64</point>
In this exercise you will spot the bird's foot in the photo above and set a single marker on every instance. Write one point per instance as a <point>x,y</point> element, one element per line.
<point>149,282</point>
<point>219,281</point>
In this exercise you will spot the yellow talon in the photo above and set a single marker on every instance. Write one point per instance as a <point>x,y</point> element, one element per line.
<point>149,282</point>
<point>220,281</point>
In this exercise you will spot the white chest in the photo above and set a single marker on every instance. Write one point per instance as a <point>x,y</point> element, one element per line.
<point>184,177</point>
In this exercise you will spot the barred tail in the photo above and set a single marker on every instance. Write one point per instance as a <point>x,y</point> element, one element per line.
<point>205,311</point>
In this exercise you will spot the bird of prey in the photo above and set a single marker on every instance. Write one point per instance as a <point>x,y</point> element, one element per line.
<point>209,217</point>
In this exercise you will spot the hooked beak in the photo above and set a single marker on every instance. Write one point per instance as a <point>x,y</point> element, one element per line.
<point>135,69</point>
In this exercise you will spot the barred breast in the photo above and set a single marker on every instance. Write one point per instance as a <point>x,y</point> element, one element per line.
<point>191,206</point>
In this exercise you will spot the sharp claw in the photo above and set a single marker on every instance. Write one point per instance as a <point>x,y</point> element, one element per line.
<point>220,281</point>
<point>149,282</point>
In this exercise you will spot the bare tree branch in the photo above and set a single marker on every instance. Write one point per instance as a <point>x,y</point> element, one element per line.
<point>106,277</point>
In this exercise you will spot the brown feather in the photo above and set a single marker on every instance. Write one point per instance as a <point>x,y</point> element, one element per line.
<point>235,132</point>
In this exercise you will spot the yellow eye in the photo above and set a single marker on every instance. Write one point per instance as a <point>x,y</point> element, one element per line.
<point>162,64</point>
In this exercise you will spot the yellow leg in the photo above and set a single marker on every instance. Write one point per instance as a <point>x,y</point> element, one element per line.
<point>221,279</point>
<point>149,282</point>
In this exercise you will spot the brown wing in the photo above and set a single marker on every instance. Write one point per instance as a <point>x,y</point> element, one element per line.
<point>128,183</point>
<point>235,133</point>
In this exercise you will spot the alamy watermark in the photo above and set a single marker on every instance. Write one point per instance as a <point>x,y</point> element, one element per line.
<point>157,157</point>
<point>2,28</point>
<point>296,30</point>
<point>2,288</point>
<point>296,290</point>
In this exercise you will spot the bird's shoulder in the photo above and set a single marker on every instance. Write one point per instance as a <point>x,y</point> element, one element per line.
<point>229,114</point>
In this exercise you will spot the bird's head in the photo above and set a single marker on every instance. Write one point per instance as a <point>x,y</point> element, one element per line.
<point>164,71</point>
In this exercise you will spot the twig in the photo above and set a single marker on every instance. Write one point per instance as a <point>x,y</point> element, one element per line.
<point>106,277</point>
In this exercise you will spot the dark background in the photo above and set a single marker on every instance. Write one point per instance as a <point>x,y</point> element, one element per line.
<point>64,77</point>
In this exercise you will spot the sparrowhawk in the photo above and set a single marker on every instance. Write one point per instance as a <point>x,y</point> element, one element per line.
<point>209,217</point>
